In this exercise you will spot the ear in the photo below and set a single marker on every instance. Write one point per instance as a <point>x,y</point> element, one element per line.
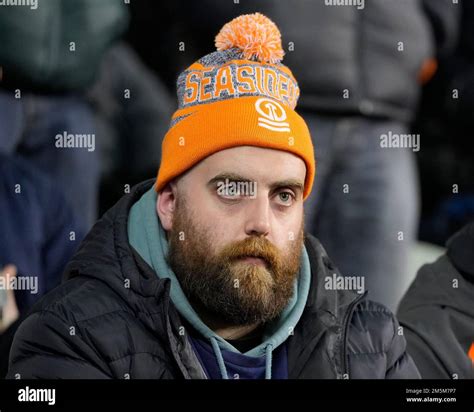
<point>166,205</point>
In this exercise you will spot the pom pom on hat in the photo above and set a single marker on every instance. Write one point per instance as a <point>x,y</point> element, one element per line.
<point>255,35</point>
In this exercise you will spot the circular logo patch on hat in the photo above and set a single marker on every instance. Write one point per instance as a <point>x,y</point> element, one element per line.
<point>272,115</point>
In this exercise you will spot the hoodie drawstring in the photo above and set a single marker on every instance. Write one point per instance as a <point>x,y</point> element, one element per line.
<point>220,359</point>
<point>268,361</point>
<point>221,363</point>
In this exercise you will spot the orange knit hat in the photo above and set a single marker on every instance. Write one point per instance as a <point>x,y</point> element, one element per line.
<point>240,95</point>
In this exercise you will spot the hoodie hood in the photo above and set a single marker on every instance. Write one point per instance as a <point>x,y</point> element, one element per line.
<point>148,238</point>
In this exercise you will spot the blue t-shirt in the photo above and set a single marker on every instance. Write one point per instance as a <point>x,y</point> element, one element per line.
<point>238,365</point>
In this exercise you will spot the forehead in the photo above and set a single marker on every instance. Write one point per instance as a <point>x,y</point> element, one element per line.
<point>254,163</point>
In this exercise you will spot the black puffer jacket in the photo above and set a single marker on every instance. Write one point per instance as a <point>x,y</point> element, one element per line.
<point>114,319</point>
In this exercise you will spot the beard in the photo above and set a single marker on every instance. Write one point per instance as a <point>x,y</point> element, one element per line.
<point>227,288</point>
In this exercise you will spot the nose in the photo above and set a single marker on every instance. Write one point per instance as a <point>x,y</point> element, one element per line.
<point>258,217</point>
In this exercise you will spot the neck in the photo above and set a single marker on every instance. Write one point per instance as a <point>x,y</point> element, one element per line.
<point>235,332</point>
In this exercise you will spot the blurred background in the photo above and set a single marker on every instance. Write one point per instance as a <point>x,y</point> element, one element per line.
<point>88,88</point>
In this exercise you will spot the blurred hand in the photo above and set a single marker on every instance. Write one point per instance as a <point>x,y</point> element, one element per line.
<point>9,310</point>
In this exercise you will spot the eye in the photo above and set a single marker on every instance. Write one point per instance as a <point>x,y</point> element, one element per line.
<point>227,192</point>
<point>229,196</point>
<point>285,198</point>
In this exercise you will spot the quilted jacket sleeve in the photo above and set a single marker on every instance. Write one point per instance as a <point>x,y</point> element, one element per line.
<point>46,347</point>
<point>377,345</point>
<point>400,365</point>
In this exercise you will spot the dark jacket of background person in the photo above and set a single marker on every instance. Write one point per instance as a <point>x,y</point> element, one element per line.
<point>132,110</point>
<point>35,46</point>
<point>114,319</point>
<point>35,234</point>
<point>437,313</point>
<point>335,48</point>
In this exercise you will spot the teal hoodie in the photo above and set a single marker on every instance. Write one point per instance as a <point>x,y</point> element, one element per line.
<point>148,238</point>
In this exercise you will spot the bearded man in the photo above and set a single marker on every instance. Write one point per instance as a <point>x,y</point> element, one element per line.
<point>207,272</point>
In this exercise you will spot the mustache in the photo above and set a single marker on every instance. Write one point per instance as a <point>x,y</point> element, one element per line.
<point>257,247</point>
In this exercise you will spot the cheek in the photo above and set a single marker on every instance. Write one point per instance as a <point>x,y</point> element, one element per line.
<point>215,223</point>
<point>222,220</point>
<point>287,232</point>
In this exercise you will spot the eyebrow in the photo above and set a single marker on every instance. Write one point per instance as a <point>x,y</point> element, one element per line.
<point>294,184</point>
<point>233,177</point>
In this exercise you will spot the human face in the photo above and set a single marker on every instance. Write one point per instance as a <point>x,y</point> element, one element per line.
<point>237,254</point>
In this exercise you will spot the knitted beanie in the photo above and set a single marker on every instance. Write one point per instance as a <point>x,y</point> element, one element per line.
<point>240,95</point>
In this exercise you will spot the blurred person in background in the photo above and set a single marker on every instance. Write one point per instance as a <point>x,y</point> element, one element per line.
<point>39,233</point>
<point>49,55</point>
<point>367,69</point>
<point>132,108</point>
<point>445,120</point>
<point>361,67</point>
<point>437,312</point>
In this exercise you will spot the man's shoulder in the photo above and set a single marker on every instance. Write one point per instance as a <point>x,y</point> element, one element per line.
<point>377,320</point>
<point>78,315</point>
<point>75,330</point>
<point>80,299</point>
<point>376,346</point>
<point>371,327</point>
<point>374,332</point>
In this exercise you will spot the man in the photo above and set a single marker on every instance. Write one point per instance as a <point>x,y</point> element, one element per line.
<point>207,273</point>
<point>437,312</point>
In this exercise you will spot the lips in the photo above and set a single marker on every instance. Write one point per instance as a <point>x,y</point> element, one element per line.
<point>254,260</point>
